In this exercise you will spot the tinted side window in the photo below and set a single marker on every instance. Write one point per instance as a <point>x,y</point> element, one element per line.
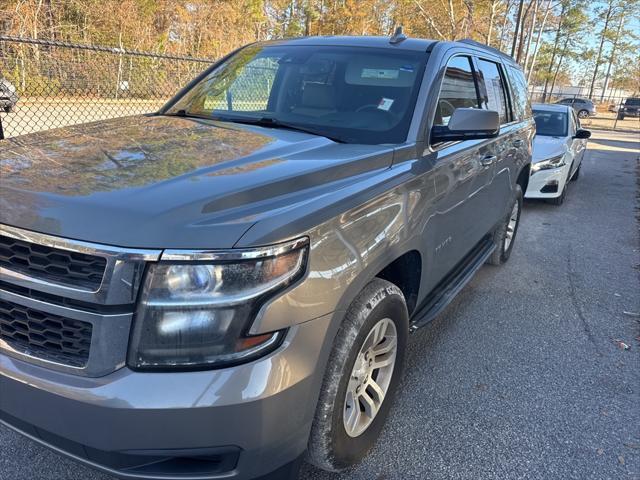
<point>458,90</point>
<point>521,106</point>
<point>492,89</point>
<point>573,126</point>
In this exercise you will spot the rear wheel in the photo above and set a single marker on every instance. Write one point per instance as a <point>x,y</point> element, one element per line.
<point>505,234</point>
<point>583,114</point>
<point>361,379</point>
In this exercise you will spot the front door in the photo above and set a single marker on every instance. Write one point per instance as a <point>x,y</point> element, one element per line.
<point>458,175</point>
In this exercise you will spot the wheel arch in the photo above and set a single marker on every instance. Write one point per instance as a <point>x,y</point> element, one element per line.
<point>405,272</point>
<point>402,267</point>
<point>523,178</point>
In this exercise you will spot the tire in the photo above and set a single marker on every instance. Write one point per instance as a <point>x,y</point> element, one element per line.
<point>504,243</point>
<point>620,116</point>
<point>560,199</point>
<point>576,174</point>
<point>331,447</point>
<point>583,114</point>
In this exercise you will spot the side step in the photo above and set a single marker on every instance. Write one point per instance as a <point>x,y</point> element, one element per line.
<point>449,287</point>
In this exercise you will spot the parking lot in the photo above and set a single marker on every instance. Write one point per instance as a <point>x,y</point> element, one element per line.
<point>526,374</point>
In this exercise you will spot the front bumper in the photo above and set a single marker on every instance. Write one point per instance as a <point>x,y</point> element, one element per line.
<point>236,423</point>
<point>542,182</point>
<point>631,113</point>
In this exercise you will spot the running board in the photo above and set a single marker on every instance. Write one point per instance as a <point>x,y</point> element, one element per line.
<point>449,287</point>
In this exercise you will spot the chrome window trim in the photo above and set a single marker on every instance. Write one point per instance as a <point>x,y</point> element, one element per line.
<point>177,255</point>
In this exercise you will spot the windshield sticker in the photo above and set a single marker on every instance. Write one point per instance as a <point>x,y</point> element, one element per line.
<point>384,73</point>
<point>406,68</point>
<point>385,104</point>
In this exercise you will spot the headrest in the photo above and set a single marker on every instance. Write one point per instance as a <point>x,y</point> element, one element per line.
<point>318,95</point>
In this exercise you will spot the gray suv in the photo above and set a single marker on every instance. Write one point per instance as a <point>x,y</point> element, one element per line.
<point>226,287</point>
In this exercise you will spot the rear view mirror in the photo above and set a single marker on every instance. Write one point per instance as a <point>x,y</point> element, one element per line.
<point>467,124</point>
<point>582,134</point>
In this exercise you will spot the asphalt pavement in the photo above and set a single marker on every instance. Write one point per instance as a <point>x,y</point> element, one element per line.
<point>526,374</point>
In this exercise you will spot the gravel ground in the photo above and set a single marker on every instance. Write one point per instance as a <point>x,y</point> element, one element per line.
<point>522,376</point>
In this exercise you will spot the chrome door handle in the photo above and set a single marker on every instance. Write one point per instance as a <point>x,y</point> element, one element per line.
<point>517,143</point>
<point>488,160</point>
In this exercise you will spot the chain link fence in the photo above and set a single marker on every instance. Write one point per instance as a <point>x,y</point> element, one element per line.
<point>48,84</point>
<point>608,111</point>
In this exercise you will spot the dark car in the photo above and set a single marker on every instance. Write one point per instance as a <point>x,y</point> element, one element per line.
<point>582,106</point>
<point>227,286</point>
<point>630,108</point>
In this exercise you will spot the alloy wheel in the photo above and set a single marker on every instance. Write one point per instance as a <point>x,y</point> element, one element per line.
<point>370,377</point>
<point>512,225</point>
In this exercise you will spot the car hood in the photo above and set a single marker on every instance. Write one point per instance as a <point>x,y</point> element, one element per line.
<point>169,182</point>
<point>548,147</point>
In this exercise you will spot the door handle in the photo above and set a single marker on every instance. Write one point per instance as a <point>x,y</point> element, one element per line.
<point>488,160</point>
<point>517,143</point>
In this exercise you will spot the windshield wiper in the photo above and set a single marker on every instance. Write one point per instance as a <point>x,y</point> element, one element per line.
<point>273,123</point>
<point>184,114</point>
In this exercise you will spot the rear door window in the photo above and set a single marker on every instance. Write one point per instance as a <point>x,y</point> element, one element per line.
<point>492,89</point>
<point>521,106</point>
<point>573,123</point>
<point>576,119</point>
<point>458,90</point>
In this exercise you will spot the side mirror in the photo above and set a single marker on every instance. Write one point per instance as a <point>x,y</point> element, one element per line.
<point>582,134</point>
<point>467,124</point>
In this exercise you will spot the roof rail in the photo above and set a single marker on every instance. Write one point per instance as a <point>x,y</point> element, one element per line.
<point>468,41</point>
<point>398,36</point>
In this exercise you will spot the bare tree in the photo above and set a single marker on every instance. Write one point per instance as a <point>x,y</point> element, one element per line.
<point>492,16</point>
<point>612,55</point>
<point>515,33</point>
<point>532,27</point>
<point>529,68</point>
<point>603,36</point>
<point>554,50</point>
<point>503,29</point>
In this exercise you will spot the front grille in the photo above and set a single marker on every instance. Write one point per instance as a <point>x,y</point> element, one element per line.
<point>47,263</point>
<point>45,335</point>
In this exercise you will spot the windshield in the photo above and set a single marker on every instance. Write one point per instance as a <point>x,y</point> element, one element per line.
<point>356,95</point>
<point>550,124</point>
<point>632,101</point>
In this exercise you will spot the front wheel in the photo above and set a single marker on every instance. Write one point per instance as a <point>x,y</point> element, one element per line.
<point>576,174</point>
<point>557,201</point>
<point>583,114</point>
<point>505,235</point>
<point>361,379</point>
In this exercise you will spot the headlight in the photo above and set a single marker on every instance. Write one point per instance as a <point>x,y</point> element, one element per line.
<point>554,162</point>
<point>196,312</point>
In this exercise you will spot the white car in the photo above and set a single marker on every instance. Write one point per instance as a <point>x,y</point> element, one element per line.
<point>558,148</point>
